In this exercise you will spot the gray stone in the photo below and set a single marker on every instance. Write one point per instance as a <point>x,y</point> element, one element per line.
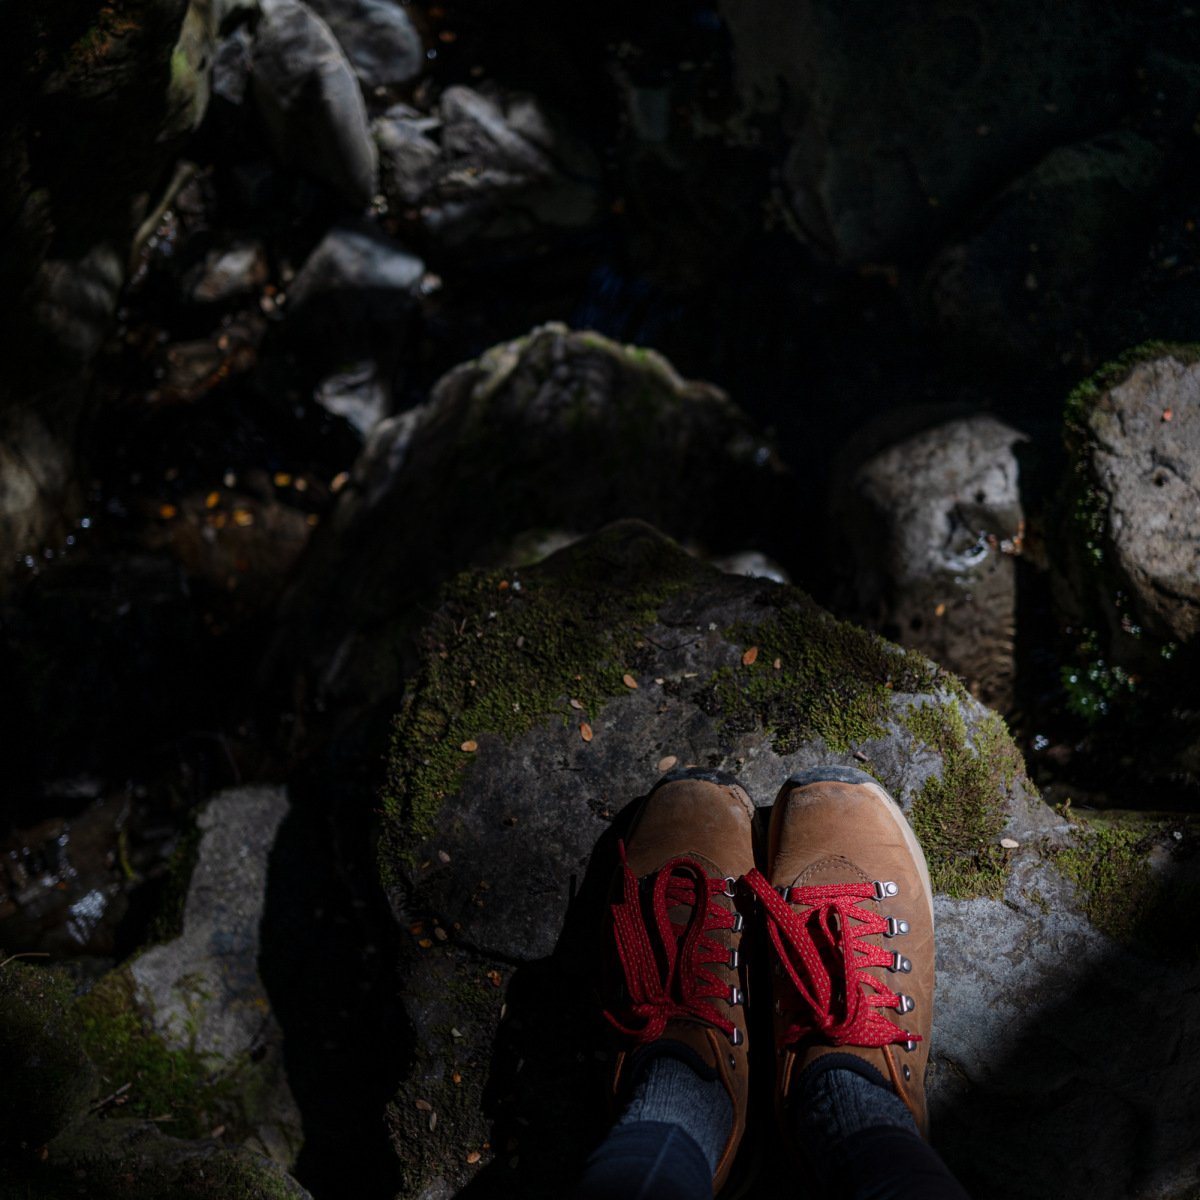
<point>380,41</point>
<point>1141,456</point>
<point>928,529</point>
<point>1026,275</point>
<point>896,121</point>
<point>359,395</point>
<point>310,100</point>
<point>233,271</point>
<point>485,166</point>
<point>357,259</point>
<point>753,563</point>
<point>202,989</point>
<point>231,66</point>
<point>515,866</point>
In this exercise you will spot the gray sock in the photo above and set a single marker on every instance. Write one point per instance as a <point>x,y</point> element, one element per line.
<point>667,1089</point>
<point>835,1103</point>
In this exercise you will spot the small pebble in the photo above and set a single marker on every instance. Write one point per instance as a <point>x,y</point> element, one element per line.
<point>424,1106</point>
<point>667,762</point>
<point>443,856</point>
<point>1009,843</point>
<point>629,681</point>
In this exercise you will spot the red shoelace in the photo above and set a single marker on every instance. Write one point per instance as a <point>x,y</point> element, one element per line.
<point>665,976</point>
<point>835,1005</point>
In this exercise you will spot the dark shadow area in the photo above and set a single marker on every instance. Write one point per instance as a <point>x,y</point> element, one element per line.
<point>328,961</point>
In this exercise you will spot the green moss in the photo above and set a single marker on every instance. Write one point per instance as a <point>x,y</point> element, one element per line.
<point>120,1040</point>
<point>958,818</point>
<point>1110,868</point>
<point>501,660</point>
<point>835,681</point>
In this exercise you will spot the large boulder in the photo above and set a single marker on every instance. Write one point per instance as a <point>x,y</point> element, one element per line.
<point>310,101</point>
<point>929,526</point>
<point>542,712</point>
<point>897,122</point>
<point>555,430</point>
<point>1134,433</point>
<point>1026,277</point>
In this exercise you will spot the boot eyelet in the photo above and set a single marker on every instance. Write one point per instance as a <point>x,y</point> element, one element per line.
<point>884,889</point>
<point>900,963</point>
<point>736,1038</point>
<point>896,927</point>
<point>905,1004</point>
<point>907,1074</point>
<point>735,997</point>
<point>738,922</point>
<point>733,960</point>
<point>730,887</point>
<point>732,1063</point>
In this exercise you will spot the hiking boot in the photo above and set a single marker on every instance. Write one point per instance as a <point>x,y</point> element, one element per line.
<point>675,971</point>
<point>849,912</point>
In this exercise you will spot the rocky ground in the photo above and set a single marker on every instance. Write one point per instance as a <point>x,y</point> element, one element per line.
<point>329,322</point>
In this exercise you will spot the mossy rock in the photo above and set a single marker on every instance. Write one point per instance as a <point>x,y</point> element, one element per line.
<point>500,821</point>
<point>1127,568</point>
<point>84,1078</point>
<point>556,430</point>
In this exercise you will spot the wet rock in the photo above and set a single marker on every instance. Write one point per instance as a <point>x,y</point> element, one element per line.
<point>1135,435</point>
<point>353,259</point>
<point>233,271</point>
<point>497,860</point>
<point>202,989</point>
<point>590,430</point>
<point>1026,277</point>
<point>62,888</point>
<point>358,395</point>
<point>310,100</point>
<point>895,125</point>
<point>231,66</point>
<point>931,524</point>
<point>383,46</point>
<point>485,167</point>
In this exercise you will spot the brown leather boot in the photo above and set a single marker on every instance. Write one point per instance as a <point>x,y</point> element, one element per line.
<point>675,970</point>
<point>849,912</point>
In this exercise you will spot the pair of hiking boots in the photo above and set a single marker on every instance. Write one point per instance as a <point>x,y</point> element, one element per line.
<point>846,906</point>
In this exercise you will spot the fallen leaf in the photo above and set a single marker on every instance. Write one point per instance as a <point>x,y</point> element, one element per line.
<point>576,704</point>
<point>749,656</point>
<point>417,928</point>
<point>860,756</point>
<point>474,1156</point>
<point>660,682</point>
<point>455,1033</point>
<point>432,1121</point>
<point>1168,414</point>
<point>242,517</point>
<point>424,1106</point>
<point>425,943</point>
<point>212,499</point>
<point>494,976</point>
<point>940,611</point>
<point>503,585</point>
<point>1009,843</point>
<point>167,511</point>
<point>456,1077</point>
<point>339,481</point>
<point>282,479</point>
<point>585,732</point>
<point>220,1129</point>
<point>443,856</point>
<point>691,674</point>
<point>667,762</point>
<point>440,934</point>
<point>629,681</point>
<point>469,747</point>
<point>778,663</point>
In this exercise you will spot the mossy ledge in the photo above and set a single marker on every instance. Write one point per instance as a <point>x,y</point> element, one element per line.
<point>1117,888</point>
<point>503,655</point>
